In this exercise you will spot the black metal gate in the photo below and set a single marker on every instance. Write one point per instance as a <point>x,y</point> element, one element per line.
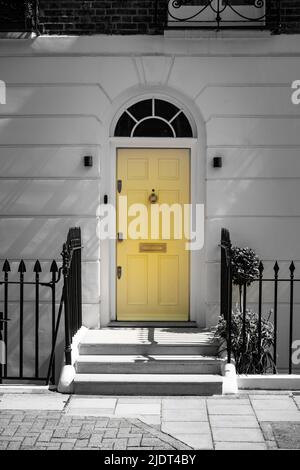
<point>273,282</point>
<point>28,288</point>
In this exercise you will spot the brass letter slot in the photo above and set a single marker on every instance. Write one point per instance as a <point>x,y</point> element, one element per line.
<point>153,248</point>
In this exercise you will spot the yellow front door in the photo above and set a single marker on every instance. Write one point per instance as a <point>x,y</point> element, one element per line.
<point>152,262</point>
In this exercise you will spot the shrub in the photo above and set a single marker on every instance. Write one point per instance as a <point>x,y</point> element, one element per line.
<point>244,265</point>
<point>247,358</point>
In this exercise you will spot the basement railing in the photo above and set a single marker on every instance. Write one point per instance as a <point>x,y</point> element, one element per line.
<point>281,310</point>
<point>30,322</point>
<point>222,14</point>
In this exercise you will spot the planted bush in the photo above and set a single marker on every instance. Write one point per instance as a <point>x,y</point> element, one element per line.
<point>246,356</point>
<point>244,268</point>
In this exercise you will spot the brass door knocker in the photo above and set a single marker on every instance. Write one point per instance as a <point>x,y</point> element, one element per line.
<point>153,198</point>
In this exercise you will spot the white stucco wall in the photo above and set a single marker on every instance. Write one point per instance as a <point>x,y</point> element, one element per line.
<point>62,95</point>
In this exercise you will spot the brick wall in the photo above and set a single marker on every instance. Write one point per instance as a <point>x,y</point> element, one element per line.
<point>122,16</point>
<point>102,16</point>
<point>290,11</point>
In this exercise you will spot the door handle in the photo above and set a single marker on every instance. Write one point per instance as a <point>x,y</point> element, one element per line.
<point>120,237</point>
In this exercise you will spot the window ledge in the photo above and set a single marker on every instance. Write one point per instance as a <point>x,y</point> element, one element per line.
<point>18,35</point>
<point>188,33</point>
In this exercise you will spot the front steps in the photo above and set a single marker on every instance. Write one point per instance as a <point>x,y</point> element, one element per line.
<point>148,361</point>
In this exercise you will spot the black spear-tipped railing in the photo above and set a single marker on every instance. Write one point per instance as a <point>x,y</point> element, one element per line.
<point>70,302</point>
<point>227,305</point>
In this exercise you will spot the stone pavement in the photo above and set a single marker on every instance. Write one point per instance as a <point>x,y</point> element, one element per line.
<point>256,421</point>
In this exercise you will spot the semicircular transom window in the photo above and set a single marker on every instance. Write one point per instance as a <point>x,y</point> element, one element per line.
<point>153,118</point>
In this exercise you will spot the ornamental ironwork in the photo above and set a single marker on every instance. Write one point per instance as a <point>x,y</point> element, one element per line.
<point>216,13</point>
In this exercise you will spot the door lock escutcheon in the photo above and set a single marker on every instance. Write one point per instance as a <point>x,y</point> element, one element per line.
<point>119,272</point>
<point>120,237</point>
<point>153,198</point>
<point>119,186</point>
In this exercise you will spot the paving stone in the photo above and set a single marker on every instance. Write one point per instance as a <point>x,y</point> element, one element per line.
<point>45,436</point>
<point>230,409</point>
<point>82,443</point>
<point>184,403</point>
<point>182,427</point>
<point>65,446</point>
<point>287,404</point>
<point>196,441</point>
<point>10,430</point>
<point>111,433</point>
<point>90,411</point>
<point>233,421</point>
<point>152,420</point>
<point>85,403</point>
<point>29,441</point>
<point>267,431</point>
<point>33,402</point>
<point>278,415</point>
<point>297,401</point>
<point>120,444</point>
<point>107,444</point>
<point>150,442</point>
<point>240,446</point>
<point>236,401</point>
<point>86,433</point>
<point>184,415</point>
<point>237,435</point>
<point>95,441</point>
<point>138,448</point>
<point>268,396</point>
<point>14,446</point>
<point>134,441</point>
<point>137,409</point>
<point>139,400</point>
<point>166,447</point>
<point>271,445</point>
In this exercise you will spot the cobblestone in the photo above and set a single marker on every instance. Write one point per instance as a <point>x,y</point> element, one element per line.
<point>42,431</point>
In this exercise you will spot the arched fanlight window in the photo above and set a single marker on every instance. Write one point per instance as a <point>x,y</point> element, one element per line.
<point>153,118</point>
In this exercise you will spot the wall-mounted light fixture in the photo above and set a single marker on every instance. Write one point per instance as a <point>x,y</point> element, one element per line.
<point>88,161</point>
<point>217,162</point>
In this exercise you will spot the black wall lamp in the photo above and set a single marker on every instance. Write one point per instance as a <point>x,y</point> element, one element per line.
<point>88,161</point>
<point>217,162</point>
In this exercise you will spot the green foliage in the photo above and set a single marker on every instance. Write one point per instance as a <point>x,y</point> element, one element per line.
<point>247,358</point>
<point>244,265</point>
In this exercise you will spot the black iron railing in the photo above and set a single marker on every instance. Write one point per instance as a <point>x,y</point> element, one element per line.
<point>19,15</point>
<point>258,288</point>
<point>72,288</point>
<point>16,289</point>
<point>217,14</point>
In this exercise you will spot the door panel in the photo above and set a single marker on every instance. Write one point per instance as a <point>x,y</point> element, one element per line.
<point>154,284</point>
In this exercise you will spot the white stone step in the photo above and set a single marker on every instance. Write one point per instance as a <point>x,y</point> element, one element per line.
<point>147,384</point>
<point>153,364</point>
<point>149,341</point>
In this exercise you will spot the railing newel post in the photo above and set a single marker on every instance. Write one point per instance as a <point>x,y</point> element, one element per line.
<point>21,270</point>
<point>244,315</point>
<point>37,270</point>
<point>276,271</point>
<point>66,255</point>
<point>53,271</point>
<point>261,270</point>
<point>292,271</point>
<point>6,269</point>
